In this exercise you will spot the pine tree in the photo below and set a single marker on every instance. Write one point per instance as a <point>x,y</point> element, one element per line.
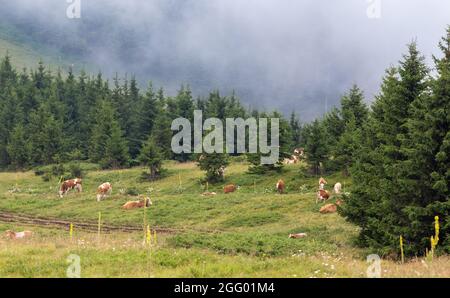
<point>296,130</point>
<point>315,145</point>
<point>380,196</point>
<point>425,169</point>
<point>152,156</point>
<point>116,149</point>
<point>18,148</point>
<point>212,163</point>
<point>353,107</point>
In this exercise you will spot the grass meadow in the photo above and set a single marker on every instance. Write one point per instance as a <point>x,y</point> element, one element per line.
<point>243,234</point>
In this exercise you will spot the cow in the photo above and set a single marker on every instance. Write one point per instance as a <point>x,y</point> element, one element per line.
<point>322,195</point>
<point>137,204</point>
<point>19,235</point>
<point>280,186</point>
<point>70,184</point>
<point>221,171</point>
<point>337,188</point>
<point>230,188</point>
<point>296,236</point>
<point>300,152</point>
<point>291,161</point>
<point>328,208</point>
<point>207,193</point>
<point>103,190</point>
<point>322,183</point>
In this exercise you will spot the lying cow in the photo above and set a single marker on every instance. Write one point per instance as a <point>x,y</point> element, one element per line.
<point>338,188</point>
<point>230,188</point>
<point>299,235</point>
<point>207,194</point>
<point>280,186</point>
<point>137,204</point>
<point>330,208</point>
<point>322,195</point>
<point>290,161</point>
<point>69,185</point>
<point>103,190</point>
<point>19,235</point>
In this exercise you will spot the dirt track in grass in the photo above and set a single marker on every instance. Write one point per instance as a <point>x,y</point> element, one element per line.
<point>23,219</point>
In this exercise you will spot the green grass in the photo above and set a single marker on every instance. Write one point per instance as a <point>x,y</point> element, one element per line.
<point>234,235</point>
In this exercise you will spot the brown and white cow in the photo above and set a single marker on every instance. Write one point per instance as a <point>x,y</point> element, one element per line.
<point>300,152</point>
<point>18,235</point>
<point>280,186</point>
<point>328,208</point>
<point>137,204</point>
<point>70,184</point>
<point>103,190</point>
<point>322,195</point>
<point>230,188</point>
<point>207,194</point>
<point>331,208</point>
<point>322,183</point>
<point>298,235</point>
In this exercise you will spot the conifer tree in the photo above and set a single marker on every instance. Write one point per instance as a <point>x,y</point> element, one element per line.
<point>152,156</point>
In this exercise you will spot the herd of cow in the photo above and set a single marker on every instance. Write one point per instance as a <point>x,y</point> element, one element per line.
<point>322,194</point>
<point>103,191</point>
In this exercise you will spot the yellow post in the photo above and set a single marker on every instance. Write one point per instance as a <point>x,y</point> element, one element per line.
<point>149,235</point>
<point>401,249</point>
<point>99,226</point>
<point>207,186</point>
<point>71,231</point>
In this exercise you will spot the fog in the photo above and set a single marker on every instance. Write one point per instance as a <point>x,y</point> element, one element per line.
<point>276,54</point>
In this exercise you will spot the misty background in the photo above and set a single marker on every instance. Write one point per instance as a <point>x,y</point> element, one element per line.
<point>289,55</point>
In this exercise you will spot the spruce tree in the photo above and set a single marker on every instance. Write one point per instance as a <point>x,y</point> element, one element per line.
<point>151,155</point>
<point>315,146</point>
<point>380,196</point>
<point>19,148</point>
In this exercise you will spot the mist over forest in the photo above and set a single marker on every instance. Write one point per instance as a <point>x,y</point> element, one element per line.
<point>284,55</point>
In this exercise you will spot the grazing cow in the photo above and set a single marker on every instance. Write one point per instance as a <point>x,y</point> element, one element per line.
<point>322,183</point>
<point>230,188</point>
<point>137,204</point>
<point>328,208</point>
<point>103,190</point>
<point>338,188</point>
<point>296,236</point>
<point>322,195</point>
<point>280,186</point>
<point>18,235</point>
<point>70,184</point>
<point>221,171</point>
